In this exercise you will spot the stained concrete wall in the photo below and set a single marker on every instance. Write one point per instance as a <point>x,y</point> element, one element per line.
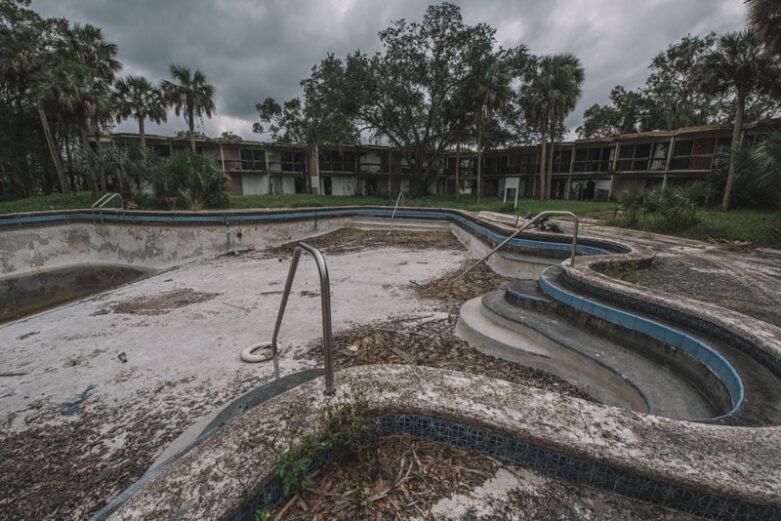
<point>33,249</point>
<point>342,185</point>
<point>254,184</point>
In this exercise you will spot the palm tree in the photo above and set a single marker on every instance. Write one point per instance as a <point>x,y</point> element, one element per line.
<point>139,99</point>
<point>85,44</point>
<point>191,97</point>
<point>567,76</point>
<point>43,92</point>
<point>764,17</point>
<point>493,88</point>
<point>736,66</point>
<point>536,104</point>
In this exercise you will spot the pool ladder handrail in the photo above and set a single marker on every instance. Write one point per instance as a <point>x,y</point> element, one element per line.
<point>540,216</point>
<point>104,200</point>
<point>325,300</point>
<point>400,198</point>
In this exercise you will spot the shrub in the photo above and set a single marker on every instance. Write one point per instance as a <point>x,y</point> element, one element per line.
<point>191,178</point>
<point>757,174</point>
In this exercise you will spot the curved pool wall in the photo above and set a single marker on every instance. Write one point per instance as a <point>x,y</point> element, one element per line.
<point>156,239</point>
<point>709,358</point>
<point>712,471</point>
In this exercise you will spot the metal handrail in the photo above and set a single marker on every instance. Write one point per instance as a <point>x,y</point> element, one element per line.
<point>399,198</point>
<point>100,200</point>
<point>325,299</point>
<point>534,220</point>
<point>107,197</point>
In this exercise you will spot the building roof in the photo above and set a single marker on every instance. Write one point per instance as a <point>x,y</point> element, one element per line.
<point>651,134</point>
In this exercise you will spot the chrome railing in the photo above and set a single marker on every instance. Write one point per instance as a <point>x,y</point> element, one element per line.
<point>104,200</point>
<point>400,198</point>
<point>325,299</point>
<point>537,218</point>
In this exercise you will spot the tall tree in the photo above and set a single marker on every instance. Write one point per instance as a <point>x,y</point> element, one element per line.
<point>622,116</point>
<point>136,97</point>
<point>403,93</point>
<point>26,135</point>
<point>735,67</point>
<point>536,108</point>
<point>550,91</point>
<point>492,80</point>
<point>567,76</point>
<point>672,97</point>
<point>44,92</point>
<point>191,97</point>
<point>764,17</point>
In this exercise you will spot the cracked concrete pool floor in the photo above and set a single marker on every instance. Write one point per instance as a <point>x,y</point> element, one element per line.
<point>183,362</point>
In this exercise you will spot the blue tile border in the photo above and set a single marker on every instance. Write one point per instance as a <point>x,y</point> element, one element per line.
<point>550,462</point>
<point>705,354</point>
<point>485,230</point>
<point>681,318</point>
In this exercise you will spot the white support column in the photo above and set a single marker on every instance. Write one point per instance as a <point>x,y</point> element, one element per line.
<point>612,171</point>
<point>668,162</point>
<point>222,158</point>
<point>569,176</point>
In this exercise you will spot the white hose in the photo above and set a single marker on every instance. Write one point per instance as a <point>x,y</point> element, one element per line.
<point>252,355</point>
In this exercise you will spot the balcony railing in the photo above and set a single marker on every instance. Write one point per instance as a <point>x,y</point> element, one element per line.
<point>234,165</point>
<point>370,168</point>
<point>594,165</point>
<point>337,166</point>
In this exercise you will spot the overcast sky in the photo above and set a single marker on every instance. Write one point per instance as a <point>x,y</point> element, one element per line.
<point>252,49</point>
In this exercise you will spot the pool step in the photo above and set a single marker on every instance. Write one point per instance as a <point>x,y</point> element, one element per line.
<point>527,294</point>
<point>615,374</point>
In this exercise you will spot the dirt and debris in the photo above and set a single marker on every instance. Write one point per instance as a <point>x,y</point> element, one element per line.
<point>406,478</point>
<point>158,304</point>
<point>737,246</point>
<point>391,478</point>
<point>747,283</point>
<point>347,240</point>
<point>68,470</point>
<point>432,343</point>
<point>479,281</point>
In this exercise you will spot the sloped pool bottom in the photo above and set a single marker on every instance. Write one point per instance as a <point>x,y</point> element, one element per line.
<point>33,292</point>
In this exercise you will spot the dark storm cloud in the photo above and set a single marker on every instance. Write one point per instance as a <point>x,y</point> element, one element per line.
<point>254,49</point>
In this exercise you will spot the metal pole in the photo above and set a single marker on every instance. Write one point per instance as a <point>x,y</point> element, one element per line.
<point>508,239</point>
<point>325,302</point>
<point>281,313</point>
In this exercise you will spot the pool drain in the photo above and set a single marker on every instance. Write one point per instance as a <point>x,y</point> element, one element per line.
<point>257,353</point>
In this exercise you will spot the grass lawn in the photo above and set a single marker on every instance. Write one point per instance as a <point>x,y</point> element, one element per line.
<point>57,201</point>
<point>441,201</point>
<point>85,200</point>
<point>735,225</point>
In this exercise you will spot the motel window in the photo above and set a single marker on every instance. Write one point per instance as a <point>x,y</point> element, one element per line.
<point>561,161</point>
<point>253,159</point>
<point>337,161</point>
<point>292,161</point>
<point>598,159</point>
<point>634,157</point>
<point>495,165</point>
<point>693,154</point>
<point>529,164</point>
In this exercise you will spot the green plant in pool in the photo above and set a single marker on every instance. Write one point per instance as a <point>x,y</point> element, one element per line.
<point>346,429</point>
